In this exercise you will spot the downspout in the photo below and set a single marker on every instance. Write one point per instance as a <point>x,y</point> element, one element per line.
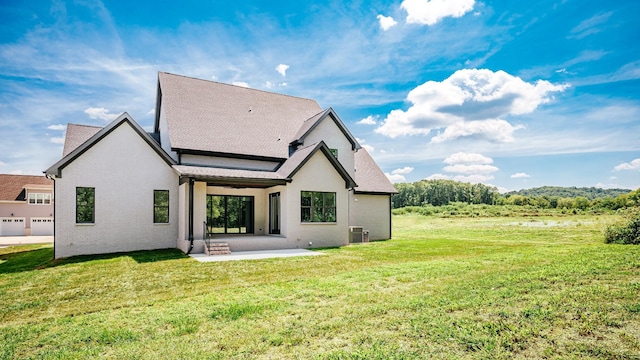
<point>191,184</point>
<point>390,214</point>
<point>53,199</point>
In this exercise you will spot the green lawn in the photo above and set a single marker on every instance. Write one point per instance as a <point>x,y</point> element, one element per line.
<point>444,288</point>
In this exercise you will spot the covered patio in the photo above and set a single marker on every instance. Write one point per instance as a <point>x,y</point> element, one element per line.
<point>255,255</point>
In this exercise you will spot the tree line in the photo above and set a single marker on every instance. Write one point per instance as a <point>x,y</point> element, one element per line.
<point>445,192</point>
<point>590,193</point>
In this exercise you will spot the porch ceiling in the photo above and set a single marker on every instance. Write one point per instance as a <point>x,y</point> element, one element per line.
<point>237,178</point>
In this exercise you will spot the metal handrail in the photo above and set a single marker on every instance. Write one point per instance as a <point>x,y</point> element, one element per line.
<point>206,235</point>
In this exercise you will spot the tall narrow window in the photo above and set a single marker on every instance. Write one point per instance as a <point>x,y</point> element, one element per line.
<point>85,205</point>
<point>316,206</point>
<point>161,206</point>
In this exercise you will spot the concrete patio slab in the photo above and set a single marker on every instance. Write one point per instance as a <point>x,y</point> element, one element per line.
<point>255,255</point>
<point>24,240</point>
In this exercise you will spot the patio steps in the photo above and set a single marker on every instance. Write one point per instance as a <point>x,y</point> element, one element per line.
<point>217,248</point>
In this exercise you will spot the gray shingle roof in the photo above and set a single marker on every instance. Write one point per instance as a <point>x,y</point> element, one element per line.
<point>198,114</point>
<point>76,135</point>
<point>369,176</point>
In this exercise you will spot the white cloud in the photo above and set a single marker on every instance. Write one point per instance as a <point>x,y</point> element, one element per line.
<point>402,171</point>
<point>473,178</point>
<point>462,157</point>
<point>590,26</point>
<point>370,149</point>
<point>607,186</point>
<point>395,178</point>
<point>369,120</point>
<point>438,177</point>
<point>282,69</point>
<point>241,83</point>
<point>2,163</point>
<point>57,140</point>
<point>386,22</point>
<point>520,176</point>
<point>470,102</point>
<point>397,175</point>
<point>429,12</point>
<point>633,165</point>
<point>100,113</point>
<point>470,169</point>
<point>151,112</point>
<point>492,130</point>
<point>58,127</point>
<point>467,167</point>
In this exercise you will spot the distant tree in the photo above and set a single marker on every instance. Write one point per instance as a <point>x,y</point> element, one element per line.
<point>581,203</point>
<point>519,200</point>
<point>542,202</point>
<point>565,203</point>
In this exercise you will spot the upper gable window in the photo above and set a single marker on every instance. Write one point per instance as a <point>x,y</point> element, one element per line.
<point>334,152</point>
<point>39,199</point>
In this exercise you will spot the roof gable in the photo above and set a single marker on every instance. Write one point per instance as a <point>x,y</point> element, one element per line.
<point>208,116</point>
<point>300,158</point>
<point>310,124</point>
<point>56,169</point>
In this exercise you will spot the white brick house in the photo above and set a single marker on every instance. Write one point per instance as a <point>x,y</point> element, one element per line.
<point>257,169</point>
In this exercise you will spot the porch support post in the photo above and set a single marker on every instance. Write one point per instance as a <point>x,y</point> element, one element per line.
<point>191,185</point>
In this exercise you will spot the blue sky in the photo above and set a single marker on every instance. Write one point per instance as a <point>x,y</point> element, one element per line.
<point>511,94</point>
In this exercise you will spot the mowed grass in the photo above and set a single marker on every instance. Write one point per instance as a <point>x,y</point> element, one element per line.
<point>443,288</point>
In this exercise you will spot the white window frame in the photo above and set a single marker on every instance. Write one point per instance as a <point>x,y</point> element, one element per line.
<point>39,199</point>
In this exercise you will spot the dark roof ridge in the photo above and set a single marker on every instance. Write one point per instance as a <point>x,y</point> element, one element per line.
<point>237,86</point>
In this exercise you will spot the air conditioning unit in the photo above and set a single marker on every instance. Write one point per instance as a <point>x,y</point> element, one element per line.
<point>355,234</point>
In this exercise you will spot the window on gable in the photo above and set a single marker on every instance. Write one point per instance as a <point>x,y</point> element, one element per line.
<point>85,205</point>
<point>161,206</point>
<point>316,206</point>
<point>334,152</point>
<point>39,199</point>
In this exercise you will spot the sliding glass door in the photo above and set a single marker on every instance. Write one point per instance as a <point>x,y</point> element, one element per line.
<point>229,214</point>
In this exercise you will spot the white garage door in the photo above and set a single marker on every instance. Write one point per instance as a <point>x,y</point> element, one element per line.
<point>41,226</point>
<point>12,226</point>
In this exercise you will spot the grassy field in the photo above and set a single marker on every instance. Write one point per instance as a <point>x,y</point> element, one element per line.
<point>444,288</point>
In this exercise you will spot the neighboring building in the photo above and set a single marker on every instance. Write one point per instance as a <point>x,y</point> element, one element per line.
<point>258,170</point>
<point>26,205</point>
